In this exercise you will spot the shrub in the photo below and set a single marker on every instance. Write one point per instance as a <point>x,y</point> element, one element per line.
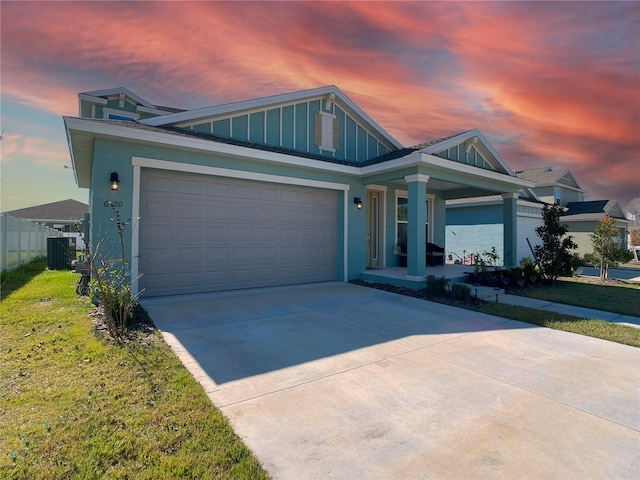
<point>553,254</point>
<point>461,292</point>
<point>110,284</point>
<point>436,286</point>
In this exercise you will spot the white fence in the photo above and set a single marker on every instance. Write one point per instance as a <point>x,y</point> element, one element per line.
<point>22,241</point>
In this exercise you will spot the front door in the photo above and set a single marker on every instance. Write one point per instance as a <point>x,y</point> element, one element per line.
<point>375,225</point>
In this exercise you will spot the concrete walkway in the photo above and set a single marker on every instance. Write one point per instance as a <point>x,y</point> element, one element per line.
<point>339,381</point>
<point>497,294</point>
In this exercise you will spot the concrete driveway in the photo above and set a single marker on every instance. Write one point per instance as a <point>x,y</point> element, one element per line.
<point>335,380</point>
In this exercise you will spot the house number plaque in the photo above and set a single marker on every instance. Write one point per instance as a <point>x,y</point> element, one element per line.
<point>112,204</point>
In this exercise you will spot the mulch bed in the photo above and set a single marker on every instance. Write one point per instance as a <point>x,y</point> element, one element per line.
<point>410,292</point>
<point>141,330</point>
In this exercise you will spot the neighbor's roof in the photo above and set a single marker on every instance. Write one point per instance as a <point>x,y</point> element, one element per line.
<point>64,210</point>
<point>592,210</point>
<point>548,176</point>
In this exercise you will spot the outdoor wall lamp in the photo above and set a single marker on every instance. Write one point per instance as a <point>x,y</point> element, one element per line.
<point>358,202</point>
<point>114,180</point>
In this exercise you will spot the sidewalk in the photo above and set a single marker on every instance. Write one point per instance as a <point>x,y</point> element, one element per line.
<point>497,294</point>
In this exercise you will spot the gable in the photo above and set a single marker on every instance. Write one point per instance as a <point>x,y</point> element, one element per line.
<point>306,126</point>
<point>568,180</point>
<point>118,104</point>
<point>613,209</point>
<point>321,121</point>
<point>468,148</point>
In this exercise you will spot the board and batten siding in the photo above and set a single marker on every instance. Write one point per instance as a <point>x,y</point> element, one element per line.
<point>293,126</point>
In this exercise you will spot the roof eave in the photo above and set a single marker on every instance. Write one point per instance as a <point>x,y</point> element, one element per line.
<point>443,163</point>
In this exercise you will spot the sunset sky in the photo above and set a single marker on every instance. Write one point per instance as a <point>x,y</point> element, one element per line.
<point>548,83</point>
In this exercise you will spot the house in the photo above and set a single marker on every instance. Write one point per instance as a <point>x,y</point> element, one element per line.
<point>475,225</point>
<point>65,215</point>
<point>557,187</point>
<point>292,188</point>
<point>582,218</point>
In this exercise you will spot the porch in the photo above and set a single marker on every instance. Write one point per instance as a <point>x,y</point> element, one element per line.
<point>399,277</point>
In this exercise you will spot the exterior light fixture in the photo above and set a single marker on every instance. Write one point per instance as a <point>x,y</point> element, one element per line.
<point>114,180</point>
<point>358,202</point>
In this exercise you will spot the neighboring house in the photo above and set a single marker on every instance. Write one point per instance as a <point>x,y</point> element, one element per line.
<point>553,186</point>
<point>66,215</point>
<point>582,218</point>
<point>293,188</point>
<point>475,225</point>
<point>632,212</point>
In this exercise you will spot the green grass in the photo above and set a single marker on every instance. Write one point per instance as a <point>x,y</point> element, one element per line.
<point>612,332</point>
<point>589,327</point>
<point>74,404</point>
<point>619,298</point>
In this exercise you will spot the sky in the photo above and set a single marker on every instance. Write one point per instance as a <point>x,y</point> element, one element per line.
<point>547,83</point>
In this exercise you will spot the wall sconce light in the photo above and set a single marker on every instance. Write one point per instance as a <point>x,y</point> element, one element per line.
<point>114,180</point>
<point>358,202</point>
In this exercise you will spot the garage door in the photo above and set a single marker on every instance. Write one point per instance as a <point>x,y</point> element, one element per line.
<point>204,234</point>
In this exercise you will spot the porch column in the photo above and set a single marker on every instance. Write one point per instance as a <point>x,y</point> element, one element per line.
<point>510,226</point>
<point>416,219</point>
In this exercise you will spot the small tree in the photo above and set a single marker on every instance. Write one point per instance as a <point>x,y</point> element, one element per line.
<point>553,255</point>
<point>605,249</point>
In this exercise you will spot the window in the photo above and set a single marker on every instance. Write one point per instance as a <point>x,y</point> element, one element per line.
<point>401,223</point>
<point>114,116</point>
<point>402,205</point>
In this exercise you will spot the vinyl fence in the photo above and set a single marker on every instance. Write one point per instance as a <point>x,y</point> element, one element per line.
<point>22,241</point>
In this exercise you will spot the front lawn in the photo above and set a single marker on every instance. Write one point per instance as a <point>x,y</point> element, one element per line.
<point>612,332</point>
<point>75,404</point>
<point>615,297</point>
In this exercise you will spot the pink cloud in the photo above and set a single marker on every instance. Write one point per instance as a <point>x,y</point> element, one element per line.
<point>549,83</point>
<point>40,151</point>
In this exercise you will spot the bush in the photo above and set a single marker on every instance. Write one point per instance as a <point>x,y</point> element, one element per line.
<point>110,284</point>
<point>436,286</point>
<point>461,292</point>
<point>553,254</point>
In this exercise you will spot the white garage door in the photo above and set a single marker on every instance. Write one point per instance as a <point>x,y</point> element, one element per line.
<point>204,234</point>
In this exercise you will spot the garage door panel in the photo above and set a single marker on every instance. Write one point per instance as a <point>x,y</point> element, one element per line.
<point>159,184</point>
<point>218,234</point>
<point>203,234</point>
<point>289,216</point>
<point>189,187</point>
<point>189,279</point>
<point>244,192</point>
<point>218,189</point>
<point>189,210</point>
<point>243,254</point>
<point>158,210</point>
<point>188,233</point>
<point>245,213</point>
<point>191,255</point>
<point>267,194</point>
